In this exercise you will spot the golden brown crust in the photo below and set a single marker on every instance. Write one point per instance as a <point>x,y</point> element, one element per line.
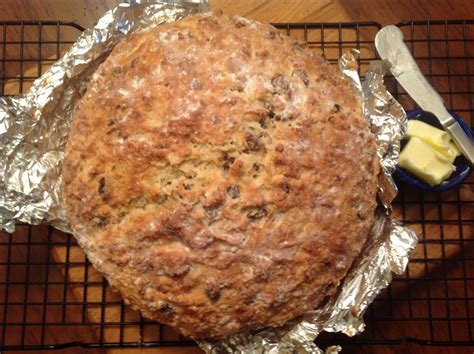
<point>220,176</point>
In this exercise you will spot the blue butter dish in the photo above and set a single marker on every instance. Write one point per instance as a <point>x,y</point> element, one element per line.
<point>463,167</point>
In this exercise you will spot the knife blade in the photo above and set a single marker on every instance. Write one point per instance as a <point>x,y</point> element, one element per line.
<point>390,46</point>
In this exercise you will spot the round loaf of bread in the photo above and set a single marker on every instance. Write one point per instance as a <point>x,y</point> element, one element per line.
<point>219,175</point>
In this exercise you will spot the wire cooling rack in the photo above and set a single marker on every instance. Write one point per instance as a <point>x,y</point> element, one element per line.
<point>50,296</point>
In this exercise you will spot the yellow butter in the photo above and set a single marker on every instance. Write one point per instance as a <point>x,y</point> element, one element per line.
<point>449,153</point>
<point>437,138</point>
<point>453,149</point>
<point>431,135</point>
<point>425,162</point>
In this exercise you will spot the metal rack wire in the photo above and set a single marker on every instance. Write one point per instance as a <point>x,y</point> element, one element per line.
<point>47,286</point>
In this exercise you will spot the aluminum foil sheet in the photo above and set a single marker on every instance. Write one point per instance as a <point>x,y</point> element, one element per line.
<point>34,129</point>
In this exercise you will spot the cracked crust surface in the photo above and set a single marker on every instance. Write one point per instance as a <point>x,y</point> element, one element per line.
<point>220,176</point>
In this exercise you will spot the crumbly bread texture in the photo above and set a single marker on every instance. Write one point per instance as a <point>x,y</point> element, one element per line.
<point>219,175</point>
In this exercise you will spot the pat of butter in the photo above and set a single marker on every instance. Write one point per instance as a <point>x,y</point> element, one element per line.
<point>437,138</point>
<point>449,153</point>
<point>453,150</point>
<point>433,136</point>
<point>425,162</point>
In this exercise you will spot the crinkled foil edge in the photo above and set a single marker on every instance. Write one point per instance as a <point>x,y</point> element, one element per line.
<point>33,133</point>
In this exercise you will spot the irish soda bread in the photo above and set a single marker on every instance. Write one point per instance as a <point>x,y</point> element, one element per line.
<point>219,175</point>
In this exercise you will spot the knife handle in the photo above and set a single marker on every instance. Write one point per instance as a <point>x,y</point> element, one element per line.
<point>462,141</point>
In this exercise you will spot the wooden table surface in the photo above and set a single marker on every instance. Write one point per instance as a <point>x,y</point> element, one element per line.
<point>86,12</point>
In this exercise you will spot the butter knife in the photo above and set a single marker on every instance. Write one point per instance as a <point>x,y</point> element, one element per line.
<point>390,46</point>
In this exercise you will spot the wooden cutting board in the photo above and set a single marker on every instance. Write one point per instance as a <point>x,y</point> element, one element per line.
<point>86,12</point>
